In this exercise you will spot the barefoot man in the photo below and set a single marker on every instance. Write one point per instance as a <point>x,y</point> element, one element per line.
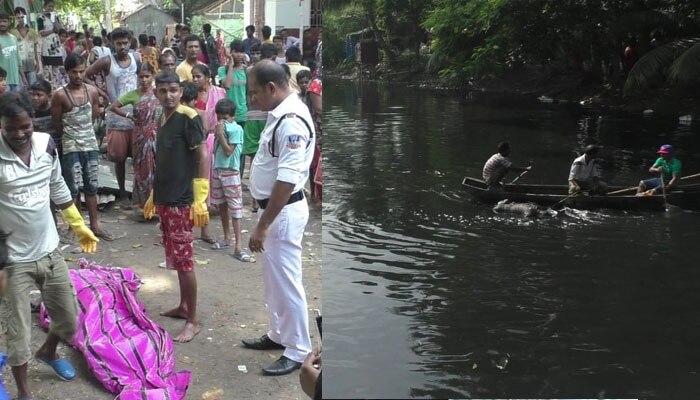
<point>179,193</point>
<point>73,109</point>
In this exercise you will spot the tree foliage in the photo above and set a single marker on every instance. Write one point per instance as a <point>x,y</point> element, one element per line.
<point>339,22</point>
<point>481,38</point>
<point>89,11</point>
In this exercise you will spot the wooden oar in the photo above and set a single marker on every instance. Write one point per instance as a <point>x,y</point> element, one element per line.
<point>629,189</point>
<point>519,176</point>
<point>663,191</point>
<point>565,199</point>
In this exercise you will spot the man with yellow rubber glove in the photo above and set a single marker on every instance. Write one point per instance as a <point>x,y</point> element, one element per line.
<point>199,212</point>
<point>31,179</point>
<point>180,190</point>
<point>87,239</point>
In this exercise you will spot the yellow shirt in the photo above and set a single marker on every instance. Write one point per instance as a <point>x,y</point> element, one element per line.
<point>184,71</point>
<point>294,68</point>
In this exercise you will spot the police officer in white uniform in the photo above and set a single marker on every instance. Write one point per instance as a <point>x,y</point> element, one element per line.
<point>278,174</point>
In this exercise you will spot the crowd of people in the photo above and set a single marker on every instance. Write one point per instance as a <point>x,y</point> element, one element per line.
<point>189,116</point>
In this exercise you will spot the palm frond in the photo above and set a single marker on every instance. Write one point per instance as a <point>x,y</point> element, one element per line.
<point>653,66</point>
<point>685,71</point>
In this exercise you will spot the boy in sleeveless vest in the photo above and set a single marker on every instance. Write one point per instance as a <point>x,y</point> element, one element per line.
<point>74,107</point>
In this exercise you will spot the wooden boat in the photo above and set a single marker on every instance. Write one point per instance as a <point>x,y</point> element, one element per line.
<point>686,196</point>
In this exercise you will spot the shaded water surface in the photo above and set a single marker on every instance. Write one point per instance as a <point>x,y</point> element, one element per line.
<point>428,294</point>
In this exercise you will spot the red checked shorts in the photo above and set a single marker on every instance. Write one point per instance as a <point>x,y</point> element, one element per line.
<point>176,226</point>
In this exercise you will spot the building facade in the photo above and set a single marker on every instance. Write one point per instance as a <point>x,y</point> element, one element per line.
<point>148,19</point>
<point>295,15</point>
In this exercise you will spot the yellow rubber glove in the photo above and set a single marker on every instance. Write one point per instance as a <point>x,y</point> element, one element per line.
<point>149,210</point>
<point>88,240</point>
<point>199,213</point>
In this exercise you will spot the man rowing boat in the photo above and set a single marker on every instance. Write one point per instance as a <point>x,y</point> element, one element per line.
<point>668,168</point>
<point>585,173</point>
<point>498,166</point>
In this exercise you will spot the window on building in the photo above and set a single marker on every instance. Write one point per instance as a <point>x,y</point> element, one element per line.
<point>316,14</point>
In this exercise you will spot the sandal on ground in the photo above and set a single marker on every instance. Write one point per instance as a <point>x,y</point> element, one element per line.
<point>61,367</point>
<point>220,245</point>
<point>242,256</point>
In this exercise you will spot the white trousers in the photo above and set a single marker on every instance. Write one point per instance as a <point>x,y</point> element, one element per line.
<point>284,292</point>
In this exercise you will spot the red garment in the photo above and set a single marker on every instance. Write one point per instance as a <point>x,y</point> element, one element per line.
<point>315,87</point>
<point>70,45</point>
<point>203,57</point>
<point>176,226</point>
<point>220,49</point>
<point>630,57</point>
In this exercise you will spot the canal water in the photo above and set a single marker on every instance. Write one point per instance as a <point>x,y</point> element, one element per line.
<point>428,294</point>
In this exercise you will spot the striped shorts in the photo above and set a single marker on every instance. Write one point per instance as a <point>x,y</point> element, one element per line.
<point>226,189</point>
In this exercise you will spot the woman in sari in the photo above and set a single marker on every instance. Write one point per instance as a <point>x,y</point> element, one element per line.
<point>145,126</point>
<point>207,97</point>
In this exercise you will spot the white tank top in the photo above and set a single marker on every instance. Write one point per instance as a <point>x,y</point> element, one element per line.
<point>120,80</point>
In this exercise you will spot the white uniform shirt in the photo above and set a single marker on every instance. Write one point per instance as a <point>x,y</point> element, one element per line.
<point>582,171</point>
<point>25,192</point>
<point>293,147</point>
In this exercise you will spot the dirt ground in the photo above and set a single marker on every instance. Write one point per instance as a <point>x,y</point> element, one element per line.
<point>230,308</point>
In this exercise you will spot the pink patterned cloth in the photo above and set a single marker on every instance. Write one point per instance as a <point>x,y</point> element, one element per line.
<point>130,354</point>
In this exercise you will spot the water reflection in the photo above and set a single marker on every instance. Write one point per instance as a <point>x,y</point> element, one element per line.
<point>429,294</point>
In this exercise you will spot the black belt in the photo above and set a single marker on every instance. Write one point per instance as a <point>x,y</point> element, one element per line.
<point>292,199</point>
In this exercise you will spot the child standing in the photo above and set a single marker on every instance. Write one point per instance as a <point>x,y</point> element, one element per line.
<point>226,181</point>
<point>3,80</point>
<point>41,100</point>
<point>180,190</point>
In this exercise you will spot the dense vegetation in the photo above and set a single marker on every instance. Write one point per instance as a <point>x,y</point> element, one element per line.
<point>474,39</point>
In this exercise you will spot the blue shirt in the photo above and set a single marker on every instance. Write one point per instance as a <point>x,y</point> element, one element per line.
<point>234,137</point>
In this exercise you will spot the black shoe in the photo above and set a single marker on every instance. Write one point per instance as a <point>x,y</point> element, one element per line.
<point>264,343</point>
<point>282,366</point>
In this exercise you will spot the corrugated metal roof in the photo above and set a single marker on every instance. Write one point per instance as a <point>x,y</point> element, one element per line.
<point>141,8</point>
